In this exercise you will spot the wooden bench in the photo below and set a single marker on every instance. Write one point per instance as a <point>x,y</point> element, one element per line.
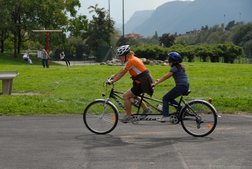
<point>7,78</point>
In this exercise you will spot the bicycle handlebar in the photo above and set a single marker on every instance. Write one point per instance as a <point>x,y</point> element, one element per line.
<point>108,81</point>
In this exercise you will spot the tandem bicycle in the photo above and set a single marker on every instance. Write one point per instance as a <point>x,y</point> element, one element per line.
<point>197,116</point>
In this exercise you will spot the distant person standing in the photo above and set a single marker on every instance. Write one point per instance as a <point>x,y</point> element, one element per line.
<point>63,58</point>
<point>45,57</point>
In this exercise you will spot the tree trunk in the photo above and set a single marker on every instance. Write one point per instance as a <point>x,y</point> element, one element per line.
<point>19,38</point>
<point>2,41</point>
<point>2,46</point>
<point>15,40</point>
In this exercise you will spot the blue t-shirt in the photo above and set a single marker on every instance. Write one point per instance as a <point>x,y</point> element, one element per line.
<point>179,76</point>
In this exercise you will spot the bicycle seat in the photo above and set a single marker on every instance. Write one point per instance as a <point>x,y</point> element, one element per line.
<point>187,93</point>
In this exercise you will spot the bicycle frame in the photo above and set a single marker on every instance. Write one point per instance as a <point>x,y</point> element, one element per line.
<point>116,95</point>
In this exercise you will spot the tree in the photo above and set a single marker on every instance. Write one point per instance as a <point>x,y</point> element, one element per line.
<point>78,26</point>
<point>37,14</point>
<point>99,31</point>
<point>201,52</point>
<point>167,40</point>
<point>248,48</point>
<point>189,53</point>
<point>242,36</point>
<point>151,52</point>
<point>4,26</point>
<point>230,52</point>
<point>230,25</point>
<point>155,36</point>
<point>14,20</point>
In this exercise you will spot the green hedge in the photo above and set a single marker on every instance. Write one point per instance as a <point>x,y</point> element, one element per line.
<point>227,52</point>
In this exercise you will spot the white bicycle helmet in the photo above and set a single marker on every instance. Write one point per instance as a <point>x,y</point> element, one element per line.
<point>123,50</point>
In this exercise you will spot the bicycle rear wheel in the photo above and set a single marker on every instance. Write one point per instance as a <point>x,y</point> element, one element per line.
<point>199,118</point>
<point>100,117</point>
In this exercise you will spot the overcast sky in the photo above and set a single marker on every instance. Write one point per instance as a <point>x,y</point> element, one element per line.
<point>130,6</point>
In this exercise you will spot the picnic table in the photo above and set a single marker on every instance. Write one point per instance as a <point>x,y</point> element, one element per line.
<point>7,80</point>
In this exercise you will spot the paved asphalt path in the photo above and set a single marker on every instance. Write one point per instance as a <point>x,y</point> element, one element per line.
<point>63,142</point>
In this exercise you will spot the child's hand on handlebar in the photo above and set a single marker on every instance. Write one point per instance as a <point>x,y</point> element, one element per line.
<point>155,82</point>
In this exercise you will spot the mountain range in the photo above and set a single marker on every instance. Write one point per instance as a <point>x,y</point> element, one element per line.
<point>183,16</point>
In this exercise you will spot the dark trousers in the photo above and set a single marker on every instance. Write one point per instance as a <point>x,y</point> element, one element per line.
<point>67,61</point>
<point>171,96</point>
<point>45,63</point>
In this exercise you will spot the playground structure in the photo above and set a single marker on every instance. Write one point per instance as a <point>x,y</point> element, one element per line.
<point>47,48</point>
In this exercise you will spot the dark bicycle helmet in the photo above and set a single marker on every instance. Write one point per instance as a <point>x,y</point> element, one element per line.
<point>123,50</point>
<point>174,57</point>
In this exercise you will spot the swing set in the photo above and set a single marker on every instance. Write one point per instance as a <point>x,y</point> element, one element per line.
<point>47,48</point>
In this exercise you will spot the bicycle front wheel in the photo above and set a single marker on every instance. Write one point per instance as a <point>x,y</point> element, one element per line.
<point>100,117</point>
<point>199,118</point>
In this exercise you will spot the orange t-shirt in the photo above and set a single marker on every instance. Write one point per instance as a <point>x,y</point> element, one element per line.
<point>135,66</point>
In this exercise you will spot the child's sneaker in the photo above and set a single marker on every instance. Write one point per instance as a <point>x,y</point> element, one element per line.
<point>164,119</point>
<point>147,111</point>
<point>126,119</point>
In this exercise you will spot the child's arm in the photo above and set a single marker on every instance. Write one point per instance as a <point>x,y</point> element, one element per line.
<point>163,78</point>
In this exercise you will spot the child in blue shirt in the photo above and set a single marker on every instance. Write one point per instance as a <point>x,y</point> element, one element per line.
<point>177,71</point>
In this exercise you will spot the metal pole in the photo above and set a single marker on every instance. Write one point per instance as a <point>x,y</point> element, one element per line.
<point>47,42</point>
<point>109,14</point>
<point>123,18</point>
<point>109,25</point>
<point>109,8</point>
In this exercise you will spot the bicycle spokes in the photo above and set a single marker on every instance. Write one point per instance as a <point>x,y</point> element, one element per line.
<point>198,118</point>
<point>100,117</point>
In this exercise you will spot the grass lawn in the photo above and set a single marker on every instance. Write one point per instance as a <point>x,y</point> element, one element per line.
<point>62,90</point>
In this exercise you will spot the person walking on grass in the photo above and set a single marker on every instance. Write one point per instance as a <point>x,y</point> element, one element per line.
<point>63,58</point>
<point>45,58</point>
